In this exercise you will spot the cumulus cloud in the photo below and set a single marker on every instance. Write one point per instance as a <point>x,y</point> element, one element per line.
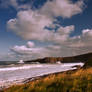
<point>71,47</point>
<point>13,3</point>
<point>30,25</point>
<point>24,49</point>
<point>63,34</point>
<point>74,47</point>
<point>26,53</point>
<point>64,8</point>
<point>30,44</point>
<point>8,3</point>
<point>83,40</point>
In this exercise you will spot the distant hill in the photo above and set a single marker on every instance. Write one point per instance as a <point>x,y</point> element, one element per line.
<point>79,58</point>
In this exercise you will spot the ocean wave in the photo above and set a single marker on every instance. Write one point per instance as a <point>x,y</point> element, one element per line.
<point>29,66</point>
<point>20,67</point>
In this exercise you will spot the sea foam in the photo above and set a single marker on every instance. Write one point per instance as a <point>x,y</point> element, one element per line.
<point>20,67</point>
<point>20,73</point>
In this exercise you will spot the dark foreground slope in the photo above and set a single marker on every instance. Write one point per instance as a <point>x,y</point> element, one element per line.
<point>79,58</point>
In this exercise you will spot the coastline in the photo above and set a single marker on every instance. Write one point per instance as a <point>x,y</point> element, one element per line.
<point>44,71</point>
<point>24,81</point>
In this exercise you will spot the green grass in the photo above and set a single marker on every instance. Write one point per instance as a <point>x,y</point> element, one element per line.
<point>72,81</point>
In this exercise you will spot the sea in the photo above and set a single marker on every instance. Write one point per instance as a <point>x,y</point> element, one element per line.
<point>15,73</point>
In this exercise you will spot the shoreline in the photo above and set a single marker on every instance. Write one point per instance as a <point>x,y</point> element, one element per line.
<point>24,81</point>
<point>4,84</point>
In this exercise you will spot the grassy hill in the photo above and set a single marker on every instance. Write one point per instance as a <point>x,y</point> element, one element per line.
<point>79,58</point>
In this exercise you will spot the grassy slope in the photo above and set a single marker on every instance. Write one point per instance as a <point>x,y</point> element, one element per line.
<point>79,58</point>
<point>71,81</point>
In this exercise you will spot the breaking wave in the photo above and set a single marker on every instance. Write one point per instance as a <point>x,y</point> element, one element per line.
<point>20,67</point>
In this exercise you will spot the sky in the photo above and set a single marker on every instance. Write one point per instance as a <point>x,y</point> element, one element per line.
<point>31,29</point>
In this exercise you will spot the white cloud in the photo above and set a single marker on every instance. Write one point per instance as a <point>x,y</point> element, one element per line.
<point>30,44</point>
<point>25,49</point>
<point>64,8</point>
<point>31,53</point>
<point>83,40</point>
<point>14,3</point>
<point>39,52</point>
<point>30,20</point>
<point>63,34</point>
<point>30,25</point>
<point>8,3</point>
<point>72,46</point>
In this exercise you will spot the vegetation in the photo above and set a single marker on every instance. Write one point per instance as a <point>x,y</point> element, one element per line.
<point>79,58</point>
<point>70,81</point>
<point>88,64</point>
